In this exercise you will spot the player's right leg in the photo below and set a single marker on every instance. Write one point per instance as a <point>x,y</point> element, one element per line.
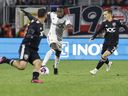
<point>36,71</point>
<point>101,62</point>
<point>47,57</point>
<point>24,56</point>
<point>94,71</point>
<point>57,48</point>
<point>99,65</point>
<point>5,60</point>
<point>21,65</point>
<point>57,59</point>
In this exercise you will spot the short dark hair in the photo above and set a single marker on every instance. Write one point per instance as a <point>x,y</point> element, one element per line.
<point>42,12</point>
<point>108,10</point>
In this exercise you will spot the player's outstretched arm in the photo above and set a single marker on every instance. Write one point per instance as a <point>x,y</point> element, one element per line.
<point>30,17</point>
<point>101,28</point>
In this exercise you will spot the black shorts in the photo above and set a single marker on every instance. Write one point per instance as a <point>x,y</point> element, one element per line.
<point>28,54</point>
<point>110,48</point>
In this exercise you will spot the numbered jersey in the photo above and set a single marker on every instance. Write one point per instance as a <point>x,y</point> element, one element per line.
<point>57,27</point>
<point>34,34</point>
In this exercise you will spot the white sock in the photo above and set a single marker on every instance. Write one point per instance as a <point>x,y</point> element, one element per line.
<point>47,56</point>
<point>56,62</point>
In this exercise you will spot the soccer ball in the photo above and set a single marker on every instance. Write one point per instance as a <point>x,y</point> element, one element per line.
<point>44,70</point>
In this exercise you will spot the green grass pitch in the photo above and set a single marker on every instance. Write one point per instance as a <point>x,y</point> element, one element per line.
<point>74,79</point>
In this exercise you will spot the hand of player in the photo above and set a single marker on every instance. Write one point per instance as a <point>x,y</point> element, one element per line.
<point>69,27</point>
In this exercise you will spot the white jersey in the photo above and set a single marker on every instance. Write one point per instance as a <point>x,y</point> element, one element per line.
<point>57,27</point>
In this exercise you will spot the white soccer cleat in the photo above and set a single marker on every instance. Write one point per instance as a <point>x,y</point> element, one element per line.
<point>94,71</point>
<point>109,66</point>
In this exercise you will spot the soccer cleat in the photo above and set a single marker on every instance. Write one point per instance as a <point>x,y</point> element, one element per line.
<point>55,71</point>
<point>93,72</point>
<point>2,60</point>
<point>109,66</point>
<point>36,81</point>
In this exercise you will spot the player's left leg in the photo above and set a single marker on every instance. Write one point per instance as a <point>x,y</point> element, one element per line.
<point>56,46</point>
<point>101,62</point>
<point>47,56</point>
<point>106,60</point>
<point>19,64</point>
<point>36,71</point>
<point>35,60</point>
<point>111,49</point>
<point>57,59</point>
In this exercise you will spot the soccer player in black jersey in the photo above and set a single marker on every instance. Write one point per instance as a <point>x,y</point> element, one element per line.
<point>29,47</point>
<point>111,28</point>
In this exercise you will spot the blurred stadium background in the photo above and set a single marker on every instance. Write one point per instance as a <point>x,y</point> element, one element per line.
<point>77,55</point>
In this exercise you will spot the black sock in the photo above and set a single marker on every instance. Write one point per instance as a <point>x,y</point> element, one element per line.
<point>107,61</point>
<point>99,65</point>
<point>9,61</point>
<point>35,75</point>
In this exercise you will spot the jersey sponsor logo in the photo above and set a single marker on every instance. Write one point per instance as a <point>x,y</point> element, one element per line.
<point>111,30</point>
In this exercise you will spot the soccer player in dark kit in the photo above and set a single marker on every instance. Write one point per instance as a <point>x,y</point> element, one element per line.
<point>29,47</point>
<point>111,28</point>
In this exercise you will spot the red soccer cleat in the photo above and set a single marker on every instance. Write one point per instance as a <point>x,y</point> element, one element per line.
<point>37,81</point>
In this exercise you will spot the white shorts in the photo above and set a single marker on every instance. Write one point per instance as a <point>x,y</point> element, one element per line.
<point>53,39</point>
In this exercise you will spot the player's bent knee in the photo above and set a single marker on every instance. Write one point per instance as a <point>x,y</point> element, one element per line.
<point>103,58</point>
<point>37,61</point>
<point>37,65</point>
<point>106,54</point>
<point>22,65</point>
<point>54,46</point>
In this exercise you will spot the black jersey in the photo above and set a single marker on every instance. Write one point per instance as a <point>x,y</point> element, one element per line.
<point>111,31</point>
<point>33,35</point>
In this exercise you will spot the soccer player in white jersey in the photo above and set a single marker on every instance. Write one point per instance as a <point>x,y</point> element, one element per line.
<point>59,23</point>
